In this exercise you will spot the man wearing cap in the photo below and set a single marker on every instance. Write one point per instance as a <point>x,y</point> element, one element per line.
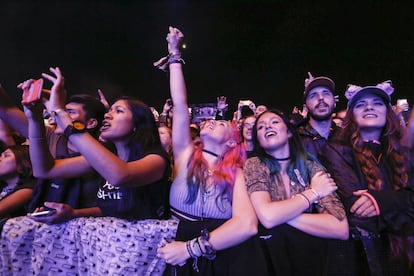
<point>320,102</point>
<point>315,131</point>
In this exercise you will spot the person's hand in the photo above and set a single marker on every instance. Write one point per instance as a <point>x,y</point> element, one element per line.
<point>175,40</point>
<point>167,106</point>
<point>103,99</point>
<point>221,103</point>
<point>174,253</point>
<point>398,109</point>
<point>63,213</point>
<point>250,104</point>
<point>33,110</point>
<point>364,205</point>
<point>323,184</point>
<point>304,111</point>
<point>58,92</point>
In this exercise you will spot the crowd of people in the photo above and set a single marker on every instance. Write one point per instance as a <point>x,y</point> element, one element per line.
<point>92,188</point>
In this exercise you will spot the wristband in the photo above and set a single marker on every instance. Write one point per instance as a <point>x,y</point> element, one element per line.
<point>374,202</point>
<point>56,112</point>
<point>171,61</point>
<point>194,255</point>
<point>304,198</point>
<point>209,253</point>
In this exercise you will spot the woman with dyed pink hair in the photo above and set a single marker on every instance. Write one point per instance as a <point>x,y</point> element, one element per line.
<point>208,195</point>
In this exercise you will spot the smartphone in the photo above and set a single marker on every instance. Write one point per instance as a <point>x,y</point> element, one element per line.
<point>402,102</point>
<point>44,213</point>
<point>33,93</point>
<point>244,102</point>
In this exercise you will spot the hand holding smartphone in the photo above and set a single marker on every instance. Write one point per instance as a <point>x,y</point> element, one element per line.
<point>33,93</point>
<point>44,213</point>
<point>403,104</point>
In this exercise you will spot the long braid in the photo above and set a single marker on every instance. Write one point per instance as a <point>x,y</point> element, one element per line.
<point>365,159</point>
<point>395,156</point>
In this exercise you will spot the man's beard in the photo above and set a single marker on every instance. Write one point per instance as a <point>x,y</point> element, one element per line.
<point>321,118</point>
<point>324,117</point>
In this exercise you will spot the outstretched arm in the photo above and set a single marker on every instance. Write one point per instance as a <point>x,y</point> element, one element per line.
<point>43,163</point>
<point>111,167</point>
<point>181,138</point>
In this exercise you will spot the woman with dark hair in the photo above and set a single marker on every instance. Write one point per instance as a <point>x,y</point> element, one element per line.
<point>133,192</point>
<point>208,195</point>
<point>137,168</point>
<point>16,181</point>
<point>374,174</point>
<point>293,197</point>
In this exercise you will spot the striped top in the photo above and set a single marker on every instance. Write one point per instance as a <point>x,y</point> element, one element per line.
<point>206,205</point>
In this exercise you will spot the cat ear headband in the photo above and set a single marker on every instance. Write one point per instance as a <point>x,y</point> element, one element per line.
<point>354,92</point>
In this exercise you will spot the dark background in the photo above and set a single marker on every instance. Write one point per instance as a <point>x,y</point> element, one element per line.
<point>258,50</point>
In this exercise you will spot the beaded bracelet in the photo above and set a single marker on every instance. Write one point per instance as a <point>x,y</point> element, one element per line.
<point>209,252</point>
<point>192,255</point>
<point>196,247</point>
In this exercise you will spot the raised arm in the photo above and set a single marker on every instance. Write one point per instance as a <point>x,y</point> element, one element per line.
<point>181,139</point>
<point>114,169</point>
<point>43,163</point>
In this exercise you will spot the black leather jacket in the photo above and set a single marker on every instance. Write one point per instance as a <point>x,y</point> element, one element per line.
<point>396,206</point>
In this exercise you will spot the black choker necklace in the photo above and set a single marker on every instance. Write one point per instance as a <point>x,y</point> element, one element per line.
<point>373,141</point>
<point>213,153</point>
<point>283,159</point>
